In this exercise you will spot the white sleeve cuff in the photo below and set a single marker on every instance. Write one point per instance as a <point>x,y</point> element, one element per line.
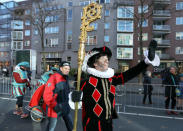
<point>155,62</point>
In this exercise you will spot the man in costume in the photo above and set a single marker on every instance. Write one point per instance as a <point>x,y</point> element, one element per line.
<point>20,82</point>
<point>98,100</point>
<point>56,97</point>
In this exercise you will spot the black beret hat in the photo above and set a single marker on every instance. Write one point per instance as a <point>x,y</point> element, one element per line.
<point>97,52</point>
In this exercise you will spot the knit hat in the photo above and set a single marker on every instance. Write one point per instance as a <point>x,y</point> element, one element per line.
<point>64,63</point>
<point>24,64</point>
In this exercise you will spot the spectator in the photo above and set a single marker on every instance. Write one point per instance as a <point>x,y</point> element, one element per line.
<point>171,82</point>
<point>180,94</point>
<point>56,97</point>
<point>147,87</point>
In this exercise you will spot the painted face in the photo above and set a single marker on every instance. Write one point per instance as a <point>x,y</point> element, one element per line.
<point>65,70</point>
<point>102,63</point>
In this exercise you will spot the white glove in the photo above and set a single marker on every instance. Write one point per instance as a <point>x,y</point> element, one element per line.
<point>87,56</point>
<point>155,62</point>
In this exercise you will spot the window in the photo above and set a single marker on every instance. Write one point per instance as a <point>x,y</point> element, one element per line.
<point>27,12</point>
<point>52,18</point>
<point>107,1</point>
<point>107,26</point>
<point>7,5</point>
<point>69,36</point>
<point>144,23</point>
<point>144,48</point>
<point>70,3</point>
<point>51,55</point>
<point>53,42</point>
<point>17,24</point>
<point>143,10</point>
<point>107,12</point>
<point>106,38</point>
<point>50,30</point>
<point>7,25</point>
<point>125,26</point>
<point>4,54</point>
<point>17,35</point>
<point>5,16</point>
<point>17,45</point>
<point>27,43</point>
<point>27,32</point>
<point>69,14</point>
<point>179,50</point>
<point>91,40</point>
<point>179,20</point>
<point>124,39</point>
<point>179,6</point>
<point>144,36</point>
<point>125,12</point>
<point>35,32</point>
<point>179,35</point>
<point>27,22</point>
<point>4,44</point>
<point>68,58</point>
<point>84,3</point>
<point>95,25</point>
<point>124,53</point>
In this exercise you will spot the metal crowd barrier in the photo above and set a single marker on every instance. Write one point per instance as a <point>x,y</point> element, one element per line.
<point>129,100</point>
<point>6,87</point>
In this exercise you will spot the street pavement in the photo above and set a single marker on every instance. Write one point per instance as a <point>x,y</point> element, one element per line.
<point>125,122</point>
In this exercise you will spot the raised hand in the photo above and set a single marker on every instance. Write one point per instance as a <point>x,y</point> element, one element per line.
<point>152,48</point>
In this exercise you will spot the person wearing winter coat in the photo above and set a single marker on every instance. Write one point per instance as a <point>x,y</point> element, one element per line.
<point>56,97</point>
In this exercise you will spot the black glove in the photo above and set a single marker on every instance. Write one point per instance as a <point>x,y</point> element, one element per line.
<point>152,49</point>
<point>76,95</point>
<point>30,88</point>
<point>57,108</point>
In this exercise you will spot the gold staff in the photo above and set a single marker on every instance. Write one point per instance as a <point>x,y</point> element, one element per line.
<point>91,13</point>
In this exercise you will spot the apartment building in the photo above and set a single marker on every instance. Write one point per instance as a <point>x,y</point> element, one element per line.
<point>119,29</point>
<point>126,26</point>
<point>15,33</point>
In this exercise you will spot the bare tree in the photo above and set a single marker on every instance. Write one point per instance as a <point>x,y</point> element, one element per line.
<point>42,16</point>
<point>145,10</point>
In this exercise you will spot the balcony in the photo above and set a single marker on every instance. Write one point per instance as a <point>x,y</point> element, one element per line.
<point>165,13</point>
<point>164,56</point>
<point>161,29</point>
<point>162,43</point>
<point>162,1</point>
<point>124,2</point>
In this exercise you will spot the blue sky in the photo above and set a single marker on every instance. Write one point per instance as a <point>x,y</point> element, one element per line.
<point>11,0</point>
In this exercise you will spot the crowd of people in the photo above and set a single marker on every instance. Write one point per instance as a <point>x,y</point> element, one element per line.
<point>98,89</point>
<point>173,84</point>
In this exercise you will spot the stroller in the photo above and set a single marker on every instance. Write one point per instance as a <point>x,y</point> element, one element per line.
<point>36,106</point>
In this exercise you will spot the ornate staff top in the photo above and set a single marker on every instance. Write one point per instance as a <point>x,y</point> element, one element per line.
<point>91,13</point>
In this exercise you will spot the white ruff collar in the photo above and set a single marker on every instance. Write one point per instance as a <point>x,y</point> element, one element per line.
<point>106,74</point>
